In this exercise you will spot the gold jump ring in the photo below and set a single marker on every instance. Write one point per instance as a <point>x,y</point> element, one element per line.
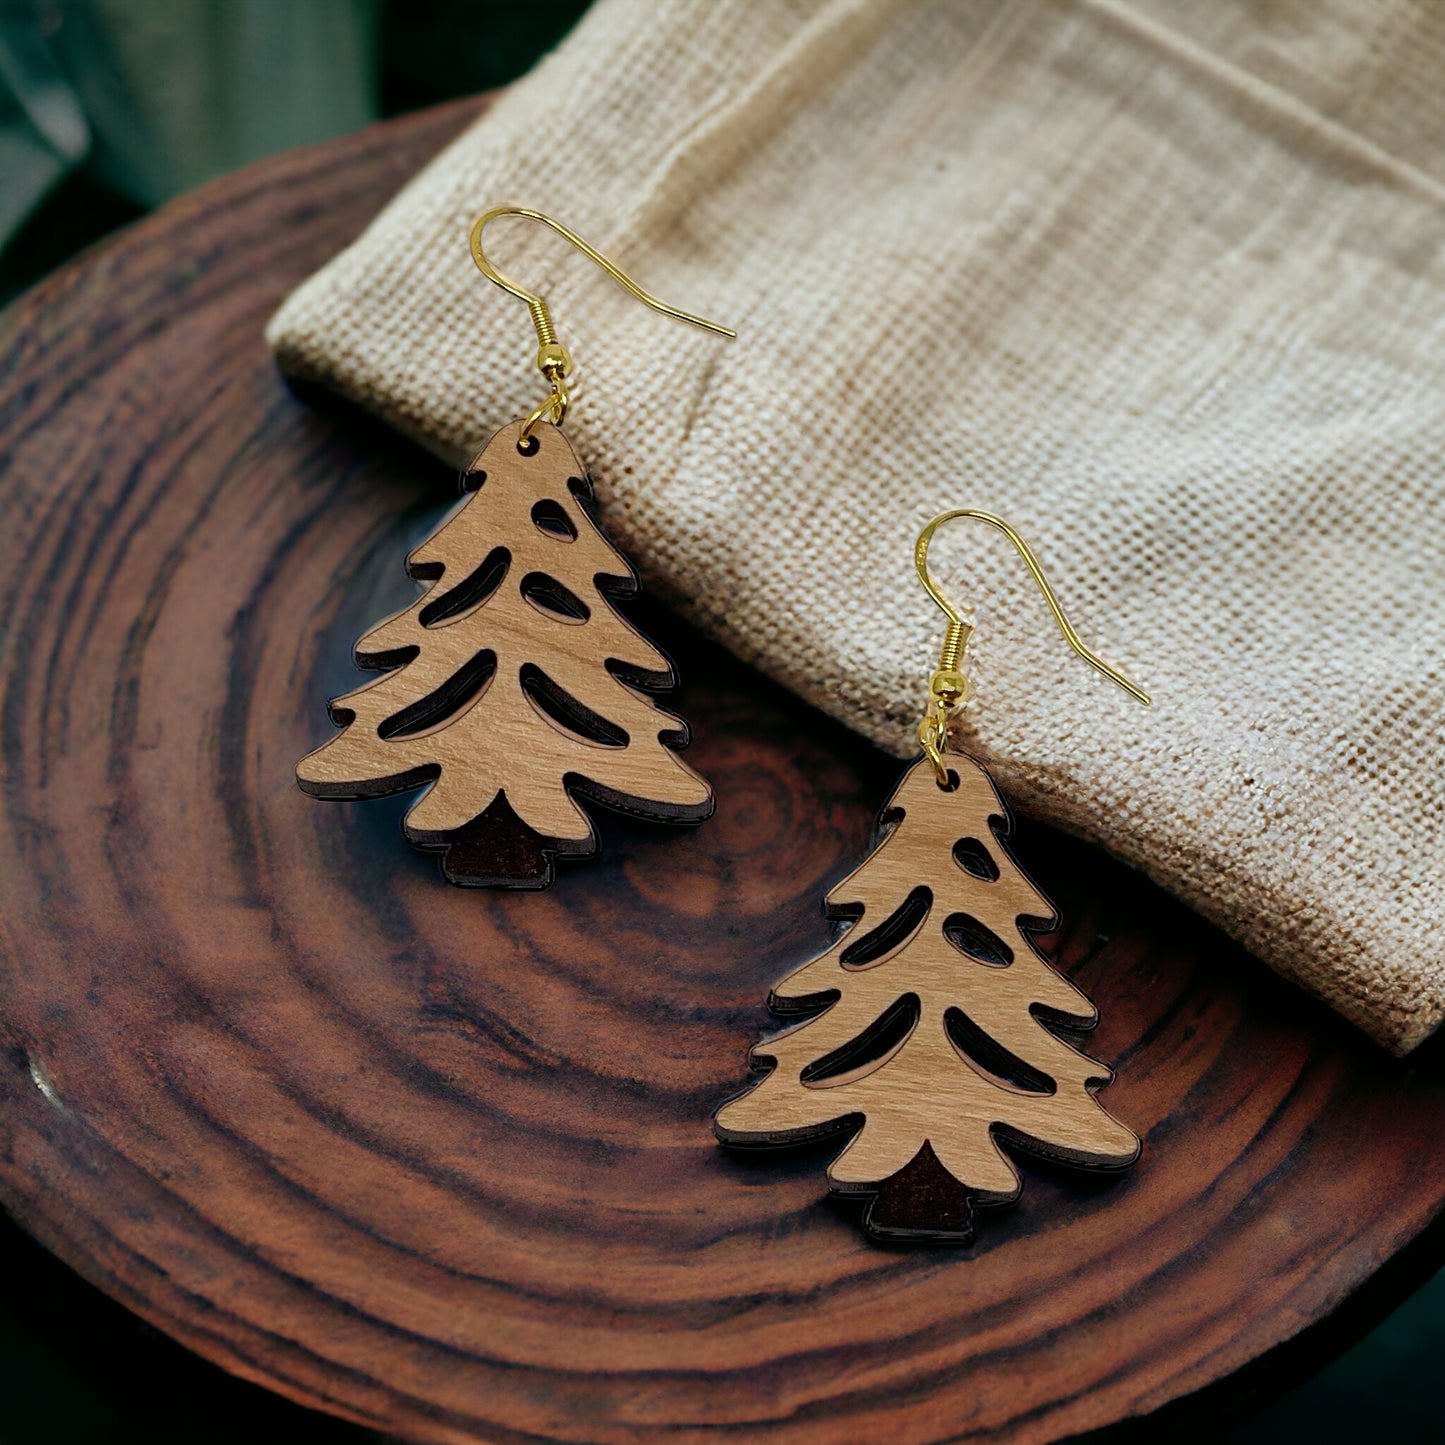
<point>555,404</point>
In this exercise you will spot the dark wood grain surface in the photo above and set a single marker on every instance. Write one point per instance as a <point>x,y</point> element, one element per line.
<point>440,1160</point>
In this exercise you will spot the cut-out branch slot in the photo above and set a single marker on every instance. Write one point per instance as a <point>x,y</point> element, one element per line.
<point>470,592</point>
<point>870,1050</point>
<point>456,694</point>
<point>550,596</point>
<point>568,712</point>
<point>876,944</point>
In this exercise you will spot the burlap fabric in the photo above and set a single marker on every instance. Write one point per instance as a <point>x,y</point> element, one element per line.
<point>1162,283</point>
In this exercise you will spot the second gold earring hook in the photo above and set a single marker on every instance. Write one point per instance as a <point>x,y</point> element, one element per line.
<point>958,630</point>
<point>948,687</point>
<point>553,360</point>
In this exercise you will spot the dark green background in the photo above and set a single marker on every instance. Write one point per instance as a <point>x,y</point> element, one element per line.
<point>107,107</point>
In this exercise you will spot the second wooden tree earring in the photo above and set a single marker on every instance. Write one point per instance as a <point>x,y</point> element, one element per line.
<point>933,1030</point>
<point>511,687</point>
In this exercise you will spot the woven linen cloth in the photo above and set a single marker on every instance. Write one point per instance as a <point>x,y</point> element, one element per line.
<point>1161,283</point>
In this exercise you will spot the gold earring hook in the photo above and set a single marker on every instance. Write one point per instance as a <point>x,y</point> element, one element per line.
<point>553,360</point>
<point>948,688</point>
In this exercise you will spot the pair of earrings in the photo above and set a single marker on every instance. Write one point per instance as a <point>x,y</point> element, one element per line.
<point>512,690</point>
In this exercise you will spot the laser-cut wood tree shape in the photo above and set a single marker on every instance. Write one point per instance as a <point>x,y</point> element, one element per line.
<point>934,1025</point>
<point>512,685</point>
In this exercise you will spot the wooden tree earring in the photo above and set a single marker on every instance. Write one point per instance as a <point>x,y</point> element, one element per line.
<point>933,1031</point>
<point>512,687</point>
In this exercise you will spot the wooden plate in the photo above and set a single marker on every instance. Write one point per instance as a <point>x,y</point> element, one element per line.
<point>439,1160</point>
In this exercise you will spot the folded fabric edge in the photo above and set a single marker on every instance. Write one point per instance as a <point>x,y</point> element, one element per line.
<point>295,357</point>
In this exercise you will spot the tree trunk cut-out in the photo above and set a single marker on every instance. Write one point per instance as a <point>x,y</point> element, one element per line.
<point>512,686</point>
<point>939,1042</point>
